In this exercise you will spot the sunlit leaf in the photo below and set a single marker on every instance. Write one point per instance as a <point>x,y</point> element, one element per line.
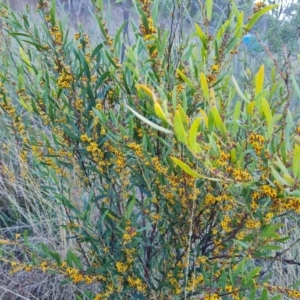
<point>192,139</point>
<point>150,123</point>
<point>209,6</point>
<point>296,162</point>
<point>204,86</point>
<point>268,114</point>
<point>189,171</point>
<point>218,121</point>
<point>259,80</point>
<point>179,128</point>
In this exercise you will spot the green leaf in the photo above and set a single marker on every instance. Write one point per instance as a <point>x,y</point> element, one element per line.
<point>72,258</point>
<point>192,139</point>
<point>259,80</point>
<point>296,162</point>
<point>280,164</point>
<point>160,113</point>
<point>96,50</point>
<point>258,15</point>
<point>54,255</point>
<point>130,206</point>
<point>269,247</point>
<point>278,177</point>
<point>189,171</point>
<point>25,237</point>
<point>236,116</point>
<point>150,123</point>
<point>53,12</point>
<point>295,86</point>
<point>179,128</point>
<point>270,231</point>
<point>240,243</point>
<point>268,114</point>
<point>218,121</point>
<point>186,79</point>
<point>134,70</point>
<point>222,30</point>
<point>201,35</point>
<point>209,6</point>
<point>239,90</point>
<point>204,86</point>
<point>239,269</point>
<point>252,274</point>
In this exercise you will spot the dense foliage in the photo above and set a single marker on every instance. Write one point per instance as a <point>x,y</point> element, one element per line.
<point>172,175</point>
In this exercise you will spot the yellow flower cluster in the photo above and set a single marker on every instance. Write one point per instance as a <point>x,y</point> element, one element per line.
<point>57,35</point>
<point>281,205</point>
<point>93,147</point>
<point>240,236</point>
<point>211,79</point>
<point>146,5</point>
<point>136,283</point>
<point>137,148</point>
<point>195,282</point>
<point>75,275</point>
<point>252,224</point>
<point>241,176</point>
<point>77,36</point>
<point>212,297</point>
<point>257,142</point>
<point>64,80</point>
<point>215,67</point>
<point>268,191</point>
<point>294,294</point>
<point>121,267</point>
<point>79,104</point>
<point>258,6</point>
<point>179,88</point>
<point>175,284</point>
<point>158,166</point>
<point>225,224</point>
<point>129,234</point>
<point>84,138</point>
<point>201,260</point>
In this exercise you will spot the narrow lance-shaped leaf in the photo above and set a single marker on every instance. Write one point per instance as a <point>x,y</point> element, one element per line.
<point>185,79</point>
<point>179,128</point>
<point>295,86</point>
<point>145,89</point>
<point>218,121</point>
<point>281,165</point>
<point>259,81</point>
<point>204,86</point>
<point>150,123</point>
<point>160,113</point>
<point>296,162</point>
<point>268,114</point>
<point>201,35</point>
<point>182,115</point>
<point>239,90</point>
<point>236,116</point>
<point>258,15</point>
<point>204,117</point>
<point>192,139</point>
<point>209,6</point>
<point>189,171</point>
<point>250,108</point>
<point>278,177</point>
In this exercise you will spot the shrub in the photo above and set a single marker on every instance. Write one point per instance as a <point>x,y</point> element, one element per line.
<point>171,179</point>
